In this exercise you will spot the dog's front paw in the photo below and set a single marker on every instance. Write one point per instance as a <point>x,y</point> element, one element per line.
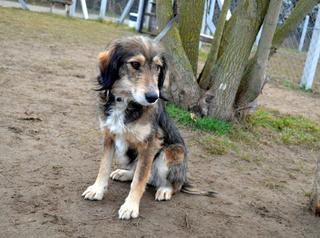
<point>128,210</point>
<point>94,192</point>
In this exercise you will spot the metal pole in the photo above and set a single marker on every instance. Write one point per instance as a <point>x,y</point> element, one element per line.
<point>210,17</point>
<point>24,5</point>
<point>140,15</point>
<point>313,56</point>
<point>210,26</point>
<point>204,17</point>
<point>304,32</point>
<point>259,35</point>
<point>73,8</point>
<point>125,11</point>
<point>84,9</point>
<point>149,8</point>
<point>103,8</point>
<point>220,4</point>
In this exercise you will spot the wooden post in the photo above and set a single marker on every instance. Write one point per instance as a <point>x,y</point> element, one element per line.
<point>304,32</point>
<point>315,195</point>
<point>125,11</point>
<point>103,8</point>
<point>84,9</point>
<point>313,56</point>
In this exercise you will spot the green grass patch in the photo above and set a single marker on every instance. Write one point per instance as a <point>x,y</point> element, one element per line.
<point>203,123</point>
<point>57,29</point>
<point>289,84</point>
<point>263,126</point>
<point>294,130</point>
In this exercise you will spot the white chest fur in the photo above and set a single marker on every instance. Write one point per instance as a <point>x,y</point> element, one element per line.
<point>115,123</point>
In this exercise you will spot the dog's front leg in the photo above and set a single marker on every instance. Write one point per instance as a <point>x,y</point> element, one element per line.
<point>97,190</point>
<point>130,208</point>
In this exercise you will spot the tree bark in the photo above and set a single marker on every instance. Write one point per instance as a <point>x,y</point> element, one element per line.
<point>315,195</point>
<point>204,78</point>
<point>236,45</point>
<point>254,76</point>
<point>183,88</point>
<point>302,8</point>
<point>190,18</point>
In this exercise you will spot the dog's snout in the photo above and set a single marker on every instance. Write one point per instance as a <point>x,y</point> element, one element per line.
<point>151,97</point>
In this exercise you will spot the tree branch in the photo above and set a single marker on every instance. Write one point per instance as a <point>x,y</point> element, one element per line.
<point>190,18</point>
<point>302,8</point>
<point>254,76</point>
<point>204,78</point>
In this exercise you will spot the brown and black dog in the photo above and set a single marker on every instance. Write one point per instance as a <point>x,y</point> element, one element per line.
<point>138,131</point>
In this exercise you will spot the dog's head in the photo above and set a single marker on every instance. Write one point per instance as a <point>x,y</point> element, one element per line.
<point>133,68</point>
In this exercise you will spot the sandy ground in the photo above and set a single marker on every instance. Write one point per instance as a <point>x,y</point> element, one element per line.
<point>291,101</point>
<point>50,148</point>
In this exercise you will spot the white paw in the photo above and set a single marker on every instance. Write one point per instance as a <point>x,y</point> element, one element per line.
<point>122,175</point>
<point>163,193</point>
<point>128,210</point>
<point>94,192</point>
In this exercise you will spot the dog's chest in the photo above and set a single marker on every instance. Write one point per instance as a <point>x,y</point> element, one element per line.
<point>125,134</point>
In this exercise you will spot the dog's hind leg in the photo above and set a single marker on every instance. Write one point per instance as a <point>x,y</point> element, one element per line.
<point>97,190</point>
<point>169,172</point>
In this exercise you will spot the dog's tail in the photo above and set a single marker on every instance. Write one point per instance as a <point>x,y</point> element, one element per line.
<point>191,189</point>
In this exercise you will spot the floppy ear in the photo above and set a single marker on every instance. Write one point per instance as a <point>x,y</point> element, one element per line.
<point>109,69</point>
<point>163,72</point>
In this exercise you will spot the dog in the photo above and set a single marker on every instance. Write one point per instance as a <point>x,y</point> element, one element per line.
<point>137,129</point>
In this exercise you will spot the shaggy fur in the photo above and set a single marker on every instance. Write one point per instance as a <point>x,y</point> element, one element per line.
<point>138,131</point>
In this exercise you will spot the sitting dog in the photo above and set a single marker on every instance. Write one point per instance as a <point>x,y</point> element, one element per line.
<point>137,129</point>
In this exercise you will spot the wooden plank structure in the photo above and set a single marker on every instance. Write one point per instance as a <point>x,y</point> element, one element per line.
<point>65,3</point>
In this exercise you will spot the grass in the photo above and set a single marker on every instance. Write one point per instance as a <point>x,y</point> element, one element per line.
<point>205,124</point>
<point>54,29</point>
<point>290,130</point>
<point>263,125</point>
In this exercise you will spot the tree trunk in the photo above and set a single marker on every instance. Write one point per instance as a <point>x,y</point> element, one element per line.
<point>302,8</point>
<point>315,195</point>
<point>254,77</point>
<point>204,78</point>
<point>190,18</point>
<point>237,41</point>
<point>183,88</point>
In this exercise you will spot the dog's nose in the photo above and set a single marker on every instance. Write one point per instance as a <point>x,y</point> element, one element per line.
<point>151,97</point>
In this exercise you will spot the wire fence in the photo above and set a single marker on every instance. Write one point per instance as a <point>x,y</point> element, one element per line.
<point>286,67</point>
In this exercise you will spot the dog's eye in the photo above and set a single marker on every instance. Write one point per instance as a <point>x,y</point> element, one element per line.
<point>135,65</point>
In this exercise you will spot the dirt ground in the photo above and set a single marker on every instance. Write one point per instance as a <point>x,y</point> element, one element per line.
<point>50,148</point>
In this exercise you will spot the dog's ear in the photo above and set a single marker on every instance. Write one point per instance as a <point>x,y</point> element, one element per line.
<point>109,67</point>
<point>163,72</point>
